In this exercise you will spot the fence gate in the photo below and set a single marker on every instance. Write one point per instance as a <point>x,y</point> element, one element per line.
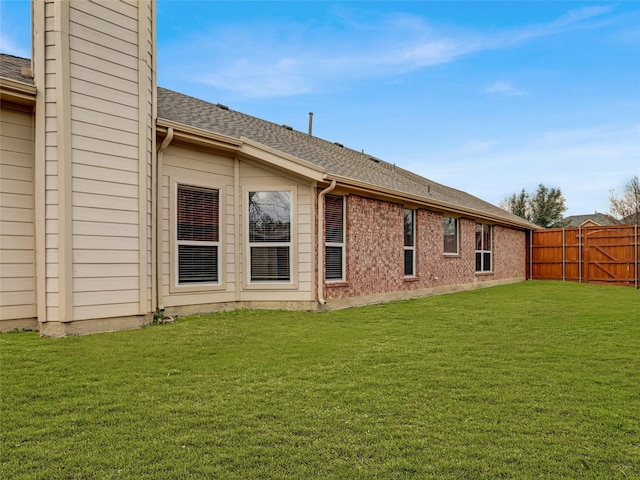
<point>608,257</point>
<point>586,254</point>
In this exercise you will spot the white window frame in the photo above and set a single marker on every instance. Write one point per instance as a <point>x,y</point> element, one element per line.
<point>483,248</point>
<point>411,248</point>
<point>457,220</point>
<point>272,284</point>
<point>341,245</point>
<point>174,279</point>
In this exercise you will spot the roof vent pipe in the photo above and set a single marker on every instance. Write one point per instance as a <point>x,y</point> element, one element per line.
<point>310,123</point>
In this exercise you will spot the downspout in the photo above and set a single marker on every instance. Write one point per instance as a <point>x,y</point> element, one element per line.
<point>320,231</point>
<point>158,212</point>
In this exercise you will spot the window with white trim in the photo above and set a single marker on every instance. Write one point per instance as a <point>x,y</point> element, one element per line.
<point>451,235</point>
<point>484,235</point>
<point>334,222</point>
<point>269,214</point>
<point>409,243</point>
<point>197,235</point>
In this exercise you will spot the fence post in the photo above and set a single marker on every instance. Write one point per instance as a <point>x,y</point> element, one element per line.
<point>635,248</point>
<point>530,254</point>
<point>563,257</point>
<point>579,254</point>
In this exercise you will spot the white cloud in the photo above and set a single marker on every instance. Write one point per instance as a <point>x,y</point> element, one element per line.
<point>505,88</point>
<point>572,20</point>
<point>275,60</point>
<point>584,163</point>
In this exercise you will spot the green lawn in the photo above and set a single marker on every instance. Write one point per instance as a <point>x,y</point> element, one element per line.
<point>534,380</point>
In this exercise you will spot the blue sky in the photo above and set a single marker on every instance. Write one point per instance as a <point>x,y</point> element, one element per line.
<point>487,97</point>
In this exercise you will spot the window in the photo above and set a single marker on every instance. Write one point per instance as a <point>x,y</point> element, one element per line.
<point>409,243</point>
<point>483,247</point>
<point>334,238</point>
<point>269,236</point>
<point>197,235</point>
<point>450,235</point>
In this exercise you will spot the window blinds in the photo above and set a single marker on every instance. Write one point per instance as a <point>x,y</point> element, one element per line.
<point>197,234</point>
<point>334,237</point>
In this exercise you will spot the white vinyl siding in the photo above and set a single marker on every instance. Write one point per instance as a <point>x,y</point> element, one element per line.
<point>17,242</point>
<point>183,166</point>
<point>51,168</point>
<point>98,145</point>
<point>110,110</point>
<point>334,223</point>
<point>218,170</point>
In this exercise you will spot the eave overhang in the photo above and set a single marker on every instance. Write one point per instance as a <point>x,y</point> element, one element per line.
<point>243,147</point>
<point>197,136</point>
<point>253,150</point>
<point>427,202</point>
<point>17,92</point>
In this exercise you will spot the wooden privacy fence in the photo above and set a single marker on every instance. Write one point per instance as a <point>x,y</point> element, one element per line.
<point>585,254</point>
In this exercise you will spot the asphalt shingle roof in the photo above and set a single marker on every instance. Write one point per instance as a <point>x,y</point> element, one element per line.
<point>599,218</point>
<point>335,159</point>
<point>11,67</point>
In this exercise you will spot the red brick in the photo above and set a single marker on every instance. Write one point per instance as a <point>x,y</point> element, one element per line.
<point>375,251</point>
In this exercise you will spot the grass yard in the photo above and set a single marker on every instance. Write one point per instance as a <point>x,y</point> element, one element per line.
<point>537,380</point>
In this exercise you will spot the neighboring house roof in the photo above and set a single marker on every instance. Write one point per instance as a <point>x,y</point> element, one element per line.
<point>337,160</point>
<point>11,67</point>
<point>601,219</point>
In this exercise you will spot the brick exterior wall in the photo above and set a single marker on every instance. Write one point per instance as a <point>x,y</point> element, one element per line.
<point>375,252</point>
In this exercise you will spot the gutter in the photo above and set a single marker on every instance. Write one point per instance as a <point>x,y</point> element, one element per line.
<point>320,282</point>
<point>17,92</point>
<point>242,146</point>
<point>198,136</point>
<point>158,214</point>
<point>429,202</point>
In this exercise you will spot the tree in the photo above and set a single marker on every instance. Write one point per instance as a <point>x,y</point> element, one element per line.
<point>518,205</point>
<point>545,207</point>
<point>627,206</point>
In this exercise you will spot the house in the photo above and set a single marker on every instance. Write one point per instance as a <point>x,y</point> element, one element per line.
<point>122,201</point>
<point>591,220</point>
